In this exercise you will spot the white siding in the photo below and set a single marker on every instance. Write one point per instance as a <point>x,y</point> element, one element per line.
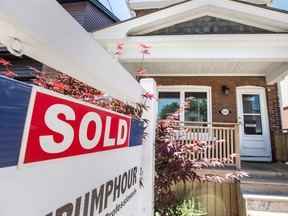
<point>284,91</point>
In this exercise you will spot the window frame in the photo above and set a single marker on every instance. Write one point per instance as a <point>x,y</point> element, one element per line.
<point>182,89</point>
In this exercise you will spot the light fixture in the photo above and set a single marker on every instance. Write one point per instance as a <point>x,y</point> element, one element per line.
<point>226,90</point>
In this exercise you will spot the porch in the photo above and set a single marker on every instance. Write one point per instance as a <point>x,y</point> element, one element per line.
<point>223,139</point>
<point>264,192</point>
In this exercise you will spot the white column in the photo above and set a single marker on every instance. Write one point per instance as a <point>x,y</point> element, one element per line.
<point>280,99</point>
<point>146,200</point>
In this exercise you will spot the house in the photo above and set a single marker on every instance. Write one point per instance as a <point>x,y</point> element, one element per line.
<point>229,57</point>
<point>232,54</point>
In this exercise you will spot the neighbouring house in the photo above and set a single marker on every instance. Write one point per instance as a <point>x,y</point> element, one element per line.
<point>90,14</point>
<point>230,54</point>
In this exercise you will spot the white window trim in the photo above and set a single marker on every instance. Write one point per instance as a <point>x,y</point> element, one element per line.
<point>189,88</point>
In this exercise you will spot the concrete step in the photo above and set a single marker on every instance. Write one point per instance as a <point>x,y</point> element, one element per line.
<point>272,186</point>
<point>268,174</point>
<point>262,205</point>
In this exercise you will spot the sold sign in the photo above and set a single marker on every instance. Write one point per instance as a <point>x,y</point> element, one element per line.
<point>62,128</point>
<point>42,134</point>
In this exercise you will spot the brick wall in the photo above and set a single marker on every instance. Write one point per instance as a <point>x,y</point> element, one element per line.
<point>274,113</point>
<point>220,100</point>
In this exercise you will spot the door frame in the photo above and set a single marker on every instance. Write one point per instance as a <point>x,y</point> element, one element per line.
<point>264,120</point>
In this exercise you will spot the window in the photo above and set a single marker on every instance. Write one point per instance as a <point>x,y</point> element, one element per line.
<point>171,97</point>
<point>198,107</point>
<point>168,103</point>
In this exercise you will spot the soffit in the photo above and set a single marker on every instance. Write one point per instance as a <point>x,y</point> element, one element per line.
<point>203,68</point>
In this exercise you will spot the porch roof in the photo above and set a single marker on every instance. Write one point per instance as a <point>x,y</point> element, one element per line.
<point>254,54</point>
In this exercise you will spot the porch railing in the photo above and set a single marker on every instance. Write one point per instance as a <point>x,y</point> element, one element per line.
<point>281,145</point>
<point>223,139</point>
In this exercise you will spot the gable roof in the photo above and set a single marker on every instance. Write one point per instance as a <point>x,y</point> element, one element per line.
<point>261,51</point>
<point>235,11</point>
<point>208,25</point>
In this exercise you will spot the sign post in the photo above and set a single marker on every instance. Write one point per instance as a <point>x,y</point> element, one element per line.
<point>148,153</point>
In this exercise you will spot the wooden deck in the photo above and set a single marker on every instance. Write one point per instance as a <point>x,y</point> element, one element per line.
<point>276,169</point>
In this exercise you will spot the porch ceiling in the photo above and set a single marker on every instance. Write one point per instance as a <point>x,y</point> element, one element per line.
<point>213,68</point>
<point>208,55</point>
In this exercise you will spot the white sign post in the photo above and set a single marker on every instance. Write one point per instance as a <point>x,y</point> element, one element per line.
<point>148,153</point>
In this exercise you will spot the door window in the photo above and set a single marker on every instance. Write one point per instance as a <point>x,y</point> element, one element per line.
<point>252,114</point>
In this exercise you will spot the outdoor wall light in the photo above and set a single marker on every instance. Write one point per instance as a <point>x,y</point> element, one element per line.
<point>226,90</point>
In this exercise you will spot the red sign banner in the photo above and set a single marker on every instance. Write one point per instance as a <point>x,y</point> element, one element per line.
<point>62,128</point>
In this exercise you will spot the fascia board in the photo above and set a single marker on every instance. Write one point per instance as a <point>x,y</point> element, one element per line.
<point>262,48</point>
<point>152,4</point>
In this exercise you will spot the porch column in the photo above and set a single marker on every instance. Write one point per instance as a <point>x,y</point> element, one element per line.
<point>237,146</point>
<point>148,154</point>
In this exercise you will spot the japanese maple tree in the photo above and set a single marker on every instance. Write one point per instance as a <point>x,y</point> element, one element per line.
<point>173,165</point>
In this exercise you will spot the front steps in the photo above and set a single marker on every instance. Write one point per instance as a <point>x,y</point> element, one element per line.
<point>260,205</point>
<point>265,193</point>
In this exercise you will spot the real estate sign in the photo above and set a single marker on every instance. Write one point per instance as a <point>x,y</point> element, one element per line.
<point>60,156</point>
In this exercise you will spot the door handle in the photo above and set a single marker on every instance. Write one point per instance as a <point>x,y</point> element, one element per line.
<point>239,120</point>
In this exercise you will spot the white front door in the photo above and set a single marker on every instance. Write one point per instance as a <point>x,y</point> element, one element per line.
<point>254,124</point>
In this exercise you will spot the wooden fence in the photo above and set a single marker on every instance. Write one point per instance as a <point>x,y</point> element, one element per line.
<point>281,145</point>
<point>219,199</point>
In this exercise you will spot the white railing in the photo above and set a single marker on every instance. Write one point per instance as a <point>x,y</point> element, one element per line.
<point>222,139</point>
